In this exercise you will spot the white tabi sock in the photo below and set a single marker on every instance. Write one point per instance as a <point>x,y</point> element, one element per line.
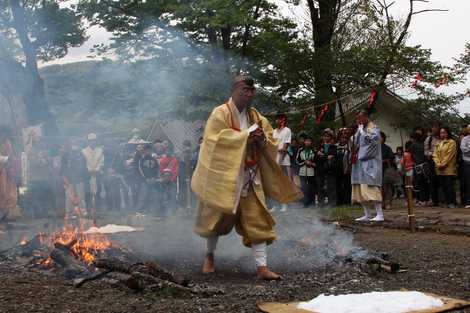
<point>212,244</point>
<point>259,254</point>
<point>366,216</point>
<point>378,210</point>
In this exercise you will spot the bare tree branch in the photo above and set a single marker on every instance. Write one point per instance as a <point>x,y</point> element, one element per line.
<point>430,10</point>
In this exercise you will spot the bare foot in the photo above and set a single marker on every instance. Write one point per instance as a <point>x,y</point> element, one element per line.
<point>264,273</point>
<point>208,266</point>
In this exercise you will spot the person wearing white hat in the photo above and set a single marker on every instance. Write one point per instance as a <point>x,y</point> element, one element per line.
<point>94,156</point>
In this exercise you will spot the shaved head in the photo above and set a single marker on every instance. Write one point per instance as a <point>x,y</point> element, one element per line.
<point>243,91</point>
<point>242,80</point>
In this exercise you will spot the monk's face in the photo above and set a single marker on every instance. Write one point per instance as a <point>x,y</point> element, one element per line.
<point>243,95</point>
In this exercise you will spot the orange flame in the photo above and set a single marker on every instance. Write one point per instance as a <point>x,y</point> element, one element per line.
<point>86,246</point>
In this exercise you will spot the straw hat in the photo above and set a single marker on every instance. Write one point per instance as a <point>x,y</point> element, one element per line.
<point>92,136</point>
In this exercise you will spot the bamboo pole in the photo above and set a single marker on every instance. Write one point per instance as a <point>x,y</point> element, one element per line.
<point>409,198</point>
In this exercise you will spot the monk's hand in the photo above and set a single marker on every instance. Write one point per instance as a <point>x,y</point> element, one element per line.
<point>257,137</point>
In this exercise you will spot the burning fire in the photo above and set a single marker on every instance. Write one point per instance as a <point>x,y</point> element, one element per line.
<point>23,241</point>
<point>84,246</point>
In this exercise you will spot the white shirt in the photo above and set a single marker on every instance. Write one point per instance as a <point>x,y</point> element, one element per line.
<point>3,159</point>
<point>94,158</point>
<point>283,136</point>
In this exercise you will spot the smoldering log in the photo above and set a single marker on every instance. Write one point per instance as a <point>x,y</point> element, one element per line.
<point>36,243</point>
<point>150,276</point>
<point>67,246</point>
<point>64,257</point>
<point>382,264</point>
<point>156,270</point>
<point>125,279</point>
<point>81,281</point>
<point>153,283</point>
<point>157,284</point>
<point>148,268</point>
<point>113,265</point>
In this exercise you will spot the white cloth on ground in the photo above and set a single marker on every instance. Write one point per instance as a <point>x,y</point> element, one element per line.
<point>373,302</point>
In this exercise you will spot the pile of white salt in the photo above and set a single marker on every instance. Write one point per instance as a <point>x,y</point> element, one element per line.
<point>373,302</point>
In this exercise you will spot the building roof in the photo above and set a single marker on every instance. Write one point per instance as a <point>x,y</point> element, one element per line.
<point>176,132</point>
<point>357,101</point>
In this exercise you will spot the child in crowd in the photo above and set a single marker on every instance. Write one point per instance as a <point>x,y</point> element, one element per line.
<point>306,163</point>
<point>399,179</point>
<point>407,162</point>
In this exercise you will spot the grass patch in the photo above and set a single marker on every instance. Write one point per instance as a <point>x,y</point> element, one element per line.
<point>345,212</point>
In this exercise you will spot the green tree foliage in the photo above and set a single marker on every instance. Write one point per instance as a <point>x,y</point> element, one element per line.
<point>38,30</point>
<point>179,56</point>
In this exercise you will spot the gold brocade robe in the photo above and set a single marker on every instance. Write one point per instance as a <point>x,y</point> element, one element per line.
<point>217,179</point>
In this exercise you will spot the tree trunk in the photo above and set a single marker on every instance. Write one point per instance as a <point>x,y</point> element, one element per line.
<point>246,38</point>
<point>37,107</point>
<point>323,19</point>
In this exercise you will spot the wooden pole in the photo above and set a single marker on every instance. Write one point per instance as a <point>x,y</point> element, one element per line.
<point>409,198</point>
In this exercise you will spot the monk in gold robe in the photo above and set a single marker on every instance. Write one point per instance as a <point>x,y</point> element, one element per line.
<point>236,170</point>
<point>8,190</point>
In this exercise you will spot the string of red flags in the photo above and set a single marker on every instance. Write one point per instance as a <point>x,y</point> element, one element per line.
<point>443,81</point>
<point>418,78</point>
<point>325,107</point>
<point>372,98</point>
<point>323,112</point>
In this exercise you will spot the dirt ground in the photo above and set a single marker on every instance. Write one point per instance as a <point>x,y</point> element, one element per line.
<point>435,263</point>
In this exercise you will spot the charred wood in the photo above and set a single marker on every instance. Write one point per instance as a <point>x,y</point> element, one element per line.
<point>66,259</point>
<point>150,268</point>
<point>81,281</point>
<point>379,263</point>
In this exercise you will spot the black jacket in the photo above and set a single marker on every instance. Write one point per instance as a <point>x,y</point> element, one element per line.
<point>325,166</point>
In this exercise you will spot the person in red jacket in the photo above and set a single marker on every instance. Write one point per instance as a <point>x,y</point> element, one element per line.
<point>169,171</point>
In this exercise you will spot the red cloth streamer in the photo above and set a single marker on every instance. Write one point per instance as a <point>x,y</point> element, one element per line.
<point>418,78</point>
<point>443,81</point>
<point>323,111</point>
<point>372,98</point>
